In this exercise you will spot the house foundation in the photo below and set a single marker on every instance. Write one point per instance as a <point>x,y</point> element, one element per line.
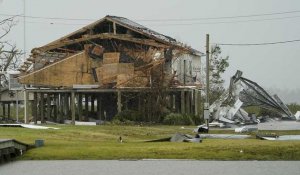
<point>58,105</point>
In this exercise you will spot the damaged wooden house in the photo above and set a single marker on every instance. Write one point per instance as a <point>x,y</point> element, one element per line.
<point>110,66</point>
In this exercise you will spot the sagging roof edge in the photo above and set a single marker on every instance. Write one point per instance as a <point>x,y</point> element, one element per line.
<point>135,28</point>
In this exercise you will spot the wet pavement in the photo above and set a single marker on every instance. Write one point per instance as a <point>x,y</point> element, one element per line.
<point>149,167</point>
<point>279,125</point>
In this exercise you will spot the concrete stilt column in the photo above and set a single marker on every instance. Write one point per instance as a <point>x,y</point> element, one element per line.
<point>188,102</point>
<point>67,105</point>
<point>56,109</point>
<point>182,102</point>
<point>34,107</point>
<point>119,102</point>
<point>80,107</point>
<point>92,104</point>
<point>86,107</point>
<point>174,102</point>
<point>99,107</point>
<point>196,103</point>
<point>48,116</point>
<point>26,109</point>
<point>61,110</point>
<point>73,107</point>
<point>42,107</point>
<point>192,104</point>
<point>8,111</point>
<point>3,109</point>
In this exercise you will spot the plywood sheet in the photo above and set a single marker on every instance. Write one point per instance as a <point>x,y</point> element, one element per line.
<point>108,72</point>
<point>111,55</point>
<point>64,73</point>
<point>110,58</point>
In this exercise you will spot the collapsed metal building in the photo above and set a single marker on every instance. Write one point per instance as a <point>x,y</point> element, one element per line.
<point>242,93</point>
<point>111,65</point>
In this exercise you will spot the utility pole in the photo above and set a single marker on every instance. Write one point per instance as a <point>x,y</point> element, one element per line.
<point>17,106</point>
<point>24,59</point>
<point>24,37</point>
<point>206,104</point>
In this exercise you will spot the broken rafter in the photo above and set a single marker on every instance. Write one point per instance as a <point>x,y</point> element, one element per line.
<point>149,65</point>
<point>30,59</point>
<point>67,50</point>
<point>103,36</point>
<point>27,62</point>
<point>174,44</point>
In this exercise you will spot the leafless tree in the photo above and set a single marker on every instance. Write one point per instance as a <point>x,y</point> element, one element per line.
<point>9,54</point>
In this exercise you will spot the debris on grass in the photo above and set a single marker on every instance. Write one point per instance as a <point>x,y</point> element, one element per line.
<point>27,126</point>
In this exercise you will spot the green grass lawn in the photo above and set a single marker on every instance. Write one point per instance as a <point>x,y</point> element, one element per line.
<point>101,142</point>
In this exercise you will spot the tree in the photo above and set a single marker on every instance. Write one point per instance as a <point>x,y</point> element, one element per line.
<point>9,54</point>
<point>218,65</point>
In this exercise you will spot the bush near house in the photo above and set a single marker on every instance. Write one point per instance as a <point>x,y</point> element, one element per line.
<point>134,117</point>
<point>128,115</point>
<point>294,107</point>
<point>178,119</point>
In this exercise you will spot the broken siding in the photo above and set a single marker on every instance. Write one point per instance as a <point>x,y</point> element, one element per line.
<point>72,70</point>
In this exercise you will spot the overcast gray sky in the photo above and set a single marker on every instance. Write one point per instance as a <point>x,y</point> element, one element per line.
<point>272,66</point>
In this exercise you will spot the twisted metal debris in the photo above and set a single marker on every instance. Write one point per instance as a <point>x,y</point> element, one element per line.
<point>243,92</point>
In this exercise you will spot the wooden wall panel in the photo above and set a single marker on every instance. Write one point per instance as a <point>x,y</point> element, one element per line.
<point>108,72</point>
<point>66,73</point>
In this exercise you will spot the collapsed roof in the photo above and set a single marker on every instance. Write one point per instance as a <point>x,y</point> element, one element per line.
<point>120,40</point>
<point>122,29</point>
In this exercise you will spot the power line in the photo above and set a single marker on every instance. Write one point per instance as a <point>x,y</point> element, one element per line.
<point>229,22</point>
<point>56,23</point>
<point>258,44</point>
<point>53,18</point>
<point>224,17</point>
<point>161,20</point>
<point>180,24</point>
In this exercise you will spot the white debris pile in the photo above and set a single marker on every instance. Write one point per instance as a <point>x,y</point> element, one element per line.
<point>224,136</point>
<point>185,138</point>
<point>297,115</point>
<point>27,126</point>
<point>246,129</point>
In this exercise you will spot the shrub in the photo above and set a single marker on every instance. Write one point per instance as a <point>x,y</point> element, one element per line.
<point>178,119</point>
<point>118,122</point>
<point>128,115</point>
<point>269,112</point>
<point>294,107</point>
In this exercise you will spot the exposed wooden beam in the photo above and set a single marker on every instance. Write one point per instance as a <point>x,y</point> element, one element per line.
<point>122,37</point>
<point>30,59</point>
<point>177,46</point>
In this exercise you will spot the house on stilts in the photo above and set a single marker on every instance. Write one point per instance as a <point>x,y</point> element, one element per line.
<point>108,67</point>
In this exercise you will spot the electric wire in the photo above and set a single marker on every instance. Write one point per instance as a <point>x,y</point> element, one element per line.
<point>159,20</point>
<point>177,24</point>
<point>258,44</point>
<point>171,19</point>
